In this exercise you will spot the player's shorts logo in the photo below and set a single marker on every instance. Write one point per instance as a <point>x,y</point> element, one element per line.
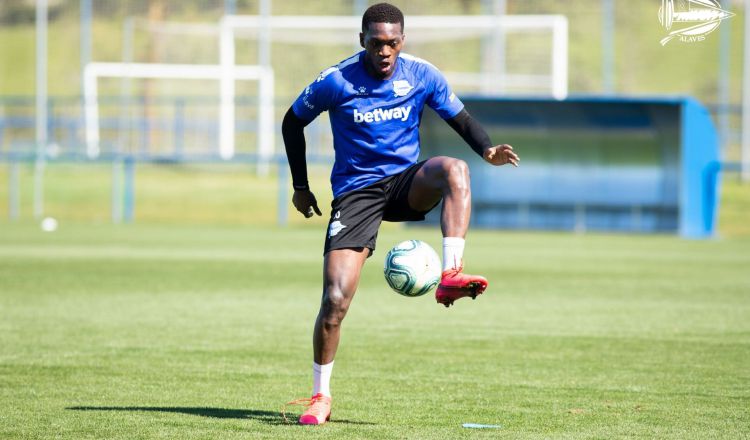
<point>705,14</point>
<point>334,228</point>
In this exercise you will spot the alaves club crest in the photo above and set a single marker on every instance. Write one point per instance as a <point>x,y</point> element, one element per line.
<point>401,87</point>
<point>700,17</point>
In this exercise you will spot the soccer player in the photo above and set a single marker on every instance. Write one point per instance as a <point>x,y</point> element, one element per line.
<point>374,101</point>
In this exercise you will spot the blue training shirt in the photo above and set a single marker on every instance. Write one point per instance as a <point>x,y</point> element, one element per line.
<point>375,122</point>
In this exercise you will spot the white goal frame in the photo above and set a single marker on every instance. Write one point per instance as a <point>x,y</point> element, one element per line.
<point>263,25</point>
<point>263,74</point>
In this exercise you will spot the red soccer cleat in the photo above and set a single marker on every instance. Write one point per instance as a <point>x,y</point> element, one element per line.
<point>455,284</point>
<point>318,410</point>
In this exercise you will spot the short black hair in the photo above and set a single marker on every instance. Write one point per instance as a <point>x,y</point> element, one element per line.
<point>382,13</point>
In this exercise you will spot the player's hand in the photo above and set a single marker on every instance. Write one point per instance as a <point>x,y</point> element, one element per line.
<point>304,201</point>
<point>501,154</point>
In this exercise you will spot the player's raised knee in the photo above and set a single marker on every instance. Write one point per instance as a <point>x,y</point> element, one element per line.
<point>456,172</point>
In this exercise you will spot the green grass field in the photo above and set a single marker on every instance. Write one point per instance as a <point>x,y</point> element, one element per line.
<point>195,321</point>
<point>162,331</point>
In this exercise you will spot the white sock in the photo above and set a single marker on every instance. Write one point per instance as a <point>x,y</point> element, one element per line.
<point>322,379</point>
<point>453,252</point>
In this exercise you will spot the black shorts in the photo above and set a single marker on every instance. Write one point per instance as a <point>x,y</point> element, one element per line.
<point>356,215</point>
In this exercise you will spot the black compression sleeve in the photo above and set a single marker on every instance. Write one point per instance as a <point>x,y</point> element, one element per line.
<point>293,131</point>
<point>471,131</point>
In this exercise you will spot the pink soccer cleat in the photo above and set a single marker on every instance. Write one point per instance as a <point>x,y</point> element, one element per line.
<point>318,409</point>
<point>455,284</point>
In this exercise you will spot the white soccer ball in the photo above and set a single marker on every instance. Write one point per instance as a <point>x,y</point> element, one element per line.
<point>412,268</point>
<point>49,224</point>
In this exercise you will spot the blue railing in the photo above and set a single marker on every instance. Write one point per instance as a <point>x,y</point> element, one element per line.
<point>175,128</point>
<point>178,128</point>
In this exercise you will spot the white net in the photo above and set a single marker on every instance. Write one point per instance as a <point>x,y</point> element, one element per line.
<point>480,54</point>
<point>494,55</point>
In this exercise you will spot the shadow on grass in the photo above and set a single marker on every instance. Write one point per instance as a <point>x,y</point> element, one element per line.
<point>269,417</point>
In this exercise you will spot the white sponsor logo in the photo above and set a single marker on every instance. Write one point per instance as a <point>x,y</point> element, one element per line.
<point>705,16</point>
<point>334,228</point>
<point>380,114</point>
<point>401,87</point>
<point>362,91</point>
<point>308,92</point>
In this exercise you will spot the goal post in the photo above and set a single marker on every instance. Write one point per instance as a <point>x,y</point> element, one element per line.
<point>226,118</point>
<point>421,28</point>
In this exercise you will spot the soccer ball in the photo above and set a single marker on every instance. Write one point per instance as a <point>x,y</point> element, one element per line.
<point>412,268</point>
<point>49,224</point>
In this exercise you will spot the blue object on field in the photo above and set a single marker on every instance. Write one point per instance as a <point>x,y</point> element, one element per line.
<point>591,163</point>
